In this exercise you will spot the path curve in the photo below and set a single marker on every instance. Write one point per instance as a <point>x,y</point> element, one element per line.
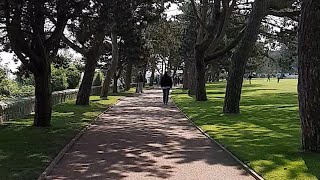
<point>139,138</point>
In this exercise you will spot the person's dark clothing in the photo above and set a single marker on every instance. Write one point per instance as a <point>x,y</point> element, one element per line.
<point>165,95</point>
<point>166,81</point>
<point>140,78</point>
<point>166,85</point>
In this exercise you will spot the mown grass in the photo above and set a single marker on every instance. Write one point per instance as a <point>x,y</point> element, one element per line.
<point>266,135</point>
<point>25,151</point>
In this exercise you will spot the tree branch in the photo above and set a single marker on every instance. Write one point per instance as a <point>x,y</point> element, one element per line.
<point>196,13</point>
<point>294,15</point>
<point>73,45</point>
<point>226,49</point>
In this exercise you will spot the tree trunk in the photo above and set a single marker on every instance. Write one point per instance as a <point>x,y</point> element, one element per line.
<point>240,58</point>
<point>192,79</point>
<point>115,83</point>
<point>43,93</point>
<point>144,75</point>
<point>114,64</point>
<point>128,76</point>
<point>83,97</point>
<point>201,94</point>
<point>186,73</point>
<point>309,75</point>
<point>153,70</point>
<point>92,57</point>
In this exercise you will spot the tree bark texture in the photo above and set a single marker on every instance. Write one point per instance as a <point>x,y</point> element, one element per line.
<point>83,97</point>
<point>43,94</point>
<point>128,76</point>
<point>92,56</point>
<point>309,75</point>
<point>186,73</point>
<point>113,67</point>
<point>115,83</point>
<point>192,80</point>
<point>240,58</point>
<point>201,94</point>
<point>153,70</point>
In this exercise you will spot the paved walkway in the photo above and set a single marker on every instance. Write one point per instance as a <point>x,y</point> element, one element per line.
<point>140,138</point>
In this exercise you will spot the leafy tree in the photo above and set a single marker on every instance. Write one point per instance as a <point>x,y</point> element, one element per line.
<point>27,31</point>
<point>239,59</point>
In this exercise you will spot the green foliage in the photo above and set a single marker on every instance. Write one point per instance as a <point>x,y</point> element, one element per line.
<point>26,151</point>
<point>73,77</point>
<point>59,79</point>
<point>97,80</point>
<point>25,79</point>
<point>266,135</point>
<point>11,89</point>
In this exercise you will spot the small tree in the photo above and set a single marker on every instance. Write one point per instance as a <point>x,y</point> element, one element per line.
<point>59,79</point>
<point>26,30</point>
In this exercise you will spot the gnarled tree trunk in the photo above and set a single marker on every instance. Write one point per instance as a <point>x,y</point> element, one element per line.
<point>113,67</point>
<point>309,75</point>
<point>83,97</point>
<point>240,58</point>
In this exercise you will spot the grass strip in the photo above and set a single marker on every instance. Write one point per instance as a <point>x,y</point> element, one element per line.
<point>266,136</point>
<point>25,151</point>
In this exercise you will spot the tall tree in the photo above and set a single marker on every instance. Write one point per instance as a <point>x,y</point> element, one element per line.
<point>35,41</point>
<point>261,8</point>
<point>309,75</point>
<point>214,20</point>
<point>90,32</point>
<point>240,57</point>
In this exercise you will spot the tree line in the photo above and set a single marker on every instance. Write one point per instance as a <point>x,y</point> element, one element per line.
<point>225,34</point>
<point>208,36</point>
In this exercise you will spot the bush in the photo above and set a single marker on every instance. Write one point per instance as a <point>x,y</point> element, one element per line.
<point>97,80</point>
<point>59,79</point>
<point>73,77</point>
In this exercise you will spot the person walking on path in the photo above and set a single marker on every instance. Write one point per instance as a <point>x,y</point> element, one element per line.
<point>166,85</point>
<point>140,80</point>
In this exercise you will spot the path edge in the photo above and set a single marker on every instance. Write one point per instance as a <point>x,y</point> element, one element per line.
<point>245,167</point>
<point>55,161</point>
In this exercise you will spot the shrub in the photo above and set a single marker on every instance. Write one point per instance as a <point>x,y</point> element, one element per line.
<point>59,79</point>
<point>73,77</point>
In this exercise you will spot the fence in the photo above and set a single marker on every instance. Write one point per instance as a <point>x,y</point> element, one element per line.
<point>24,106</point>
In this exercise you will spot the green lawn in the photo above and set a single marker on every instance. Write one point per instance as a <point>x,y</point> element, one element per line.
<point>266,135</point>
<point>25,151</point>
